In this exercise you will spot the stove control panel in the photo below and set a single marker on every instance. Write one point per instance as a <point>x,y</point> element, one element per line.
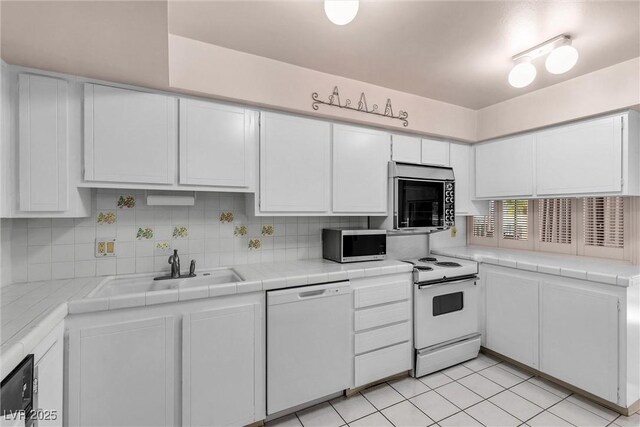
<point>449,204</point>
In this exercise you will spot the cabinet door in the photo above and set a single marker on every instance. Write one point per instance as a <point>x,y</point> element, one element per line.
<point>435,152</point>
<point>129,136</point>
<point>216,144</point>
<point>579,338</point>
<point>460,162</point>
<point>222,361</point>
<point>512,316</point>
<point>123,374</point>
<point>504,168</point>
<point>295,164</point>
<point>43,152</point>
<point>48,397</point>
<point>360,170</point>
<point>406,149</point>
<point>581,158</point>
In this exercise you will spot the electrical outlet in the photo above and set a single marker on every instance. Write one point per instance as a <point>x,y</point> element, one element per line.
<point>105,247</point>
<point>454,231</point>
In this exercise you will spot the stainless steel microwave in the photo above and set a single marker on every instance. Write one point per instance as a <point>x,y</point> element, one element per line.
<point>351,245</point>
<point>421,198</point>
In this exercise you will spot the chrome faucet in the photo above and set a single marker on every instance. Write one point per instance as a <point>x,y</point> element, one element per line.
<point>174,260</point>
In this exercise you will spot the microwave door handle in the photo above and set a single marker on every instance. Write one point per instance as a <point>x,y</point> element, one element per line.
<point>454,282</point>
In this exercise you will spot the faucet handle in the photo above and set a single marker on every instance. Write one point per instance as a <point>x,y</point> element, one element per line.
<point>192,268</point>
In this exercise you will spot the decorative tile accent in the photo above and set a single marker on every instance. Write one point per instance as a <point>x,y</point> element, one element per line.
<point>145,233</point>
<point>255,244</point>
<point>240,230</point>
<point>163,245</point>
<point>127,202</point>
<point>180,232</point>
<point>226,217</point>
<point>268,230</point>
<point>105,218</point>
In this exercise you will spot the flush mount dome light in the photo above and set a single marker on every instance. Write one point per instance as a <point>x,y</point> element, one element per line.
<point>341,12</point>
<point>522,74</point>
<point>561,59</point>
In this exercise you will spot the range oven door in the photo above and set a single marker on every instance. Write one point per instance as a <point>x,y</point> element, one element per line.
<point>445,311</point>
<point>423,204</point>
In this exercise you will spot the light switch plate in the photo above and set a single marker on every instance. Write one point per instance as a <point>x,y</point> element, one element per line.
<point>105,247</point>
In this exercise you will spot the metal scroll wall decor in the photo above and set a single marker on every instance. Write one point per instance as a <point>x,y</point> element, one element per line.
<point>334,101</point>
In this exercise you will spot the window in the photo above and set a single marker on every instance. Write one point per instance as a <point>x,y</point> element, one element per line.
<point>593,226</point>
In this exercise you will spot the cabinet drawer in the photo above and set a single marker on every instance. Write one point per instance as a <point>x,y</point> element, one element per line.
<point>381,294</point>
<point>382,315</point>
<point>377,338</point>
<point>382,363</point>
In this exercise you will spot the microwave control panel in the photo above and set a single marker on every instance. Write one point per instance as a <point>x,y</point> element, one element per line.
<point>449,204</point>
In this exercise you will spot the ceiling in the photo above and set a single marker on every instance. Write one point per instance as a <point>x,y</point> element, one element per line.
<point>453,51</point>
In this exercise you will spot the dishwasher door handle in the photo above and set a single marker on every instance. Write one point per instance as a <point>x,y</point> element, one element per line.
<point>310,294</point>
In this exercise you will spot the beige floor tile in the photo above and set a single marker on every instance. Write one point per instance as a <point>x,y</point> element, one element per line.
<point>525,375</point>
<point>500,376</point>
<point>436,379</point>
<point>353,407</point>
<point>435,406</point>
<point>547,419</point>
<point>535,394</point>
<point>459,395</point>
<point>457,372</point>
<point>549,386</point>
<point>590,406</point>
<point>490,415</point>
<point>406,414</point>
<point>516,405</point>
<point>632,421</point>
<point>481,385</point>
<point>373,420</point>
<point>409,387</point>
<point>322,415</point>
<point>577,415</point>
<point>287,421</point>
<point>382,396</point>
<point>481,362</point>
<point>461,419</point>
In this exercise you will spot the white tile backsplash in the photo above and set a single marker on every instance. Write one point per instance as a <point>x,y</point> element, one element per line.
<point>43,249</point>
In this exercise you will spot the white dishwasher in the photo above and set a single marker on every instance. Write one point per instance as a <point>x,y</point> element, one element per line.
<point>309,352</point>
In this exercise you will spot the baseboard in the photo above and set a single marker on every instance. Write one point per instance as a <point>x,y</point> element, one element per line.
<point>600,401</point>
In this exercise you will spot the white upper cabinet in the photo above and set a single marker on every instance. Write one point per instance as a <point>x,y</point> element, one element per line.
<point>435,152</point>
<point>295,164</point>
<point>43,139</point>
<point>360,170</point>
<point>406,149</point>
<point>581,158</point>
<point>217,144</point>
<point>129,136</point>
<point>40,161</point>
<point>462,161</point>
<point>579,330</point>
<point>504,168</point>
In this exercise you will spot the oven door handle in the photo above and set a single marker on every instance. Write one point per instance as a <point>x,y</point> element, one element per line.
<point>453,282</point>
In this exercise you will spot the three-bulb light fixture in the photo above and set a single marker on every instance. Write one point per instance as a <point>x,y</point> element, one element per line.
<point>341,12</point>
<point>561,57</point>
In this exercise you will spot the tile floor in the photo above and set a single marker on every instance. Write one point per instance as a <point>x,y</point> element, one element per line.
<point>480,392</point>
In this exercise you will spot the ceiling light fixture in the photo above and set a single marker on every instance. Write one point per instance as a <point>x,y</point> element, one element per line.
<point>341,12</point>
<point>562,57</point>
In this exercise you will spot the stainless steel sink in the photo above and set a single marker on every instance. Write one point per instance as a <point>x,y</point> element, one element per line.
<point>139,283</point>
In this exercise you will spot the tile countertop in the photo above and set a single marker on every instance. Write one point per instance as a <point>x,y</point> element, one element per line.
<point>610,272</point>
<point>30,311</point>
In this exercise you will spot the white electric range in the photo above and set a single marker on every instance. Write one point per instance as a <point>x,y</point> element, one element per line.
<point>445,304</point>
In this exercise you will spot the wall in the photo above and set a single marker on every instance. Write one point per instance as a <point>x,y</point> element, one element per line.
<point>229,74</point>
<point>609,89</point>
<point>43,249</point>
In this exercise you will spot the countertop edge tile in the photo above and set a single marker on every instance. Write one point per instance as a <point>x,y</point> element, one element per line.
<point>221,290</point>
<point>197,292</point>
<point>161,297</point>
<point>126,301</point>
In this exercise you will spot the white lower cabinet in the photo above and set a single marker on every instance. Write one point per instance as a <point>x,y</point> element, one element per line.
<point>512,316</point>
<point>579,338</point>
<point>192,363</point>
<point>122,374</point>
<point>49,378</point>
<point>382,327</point>
<point>220,349</point>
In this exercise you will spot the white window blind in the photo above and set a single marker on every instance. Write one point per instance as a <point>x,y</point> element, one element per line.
<point>554,220</point>
<point>603,219</point>
<point>485,225</point>
<point>515,219</point>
